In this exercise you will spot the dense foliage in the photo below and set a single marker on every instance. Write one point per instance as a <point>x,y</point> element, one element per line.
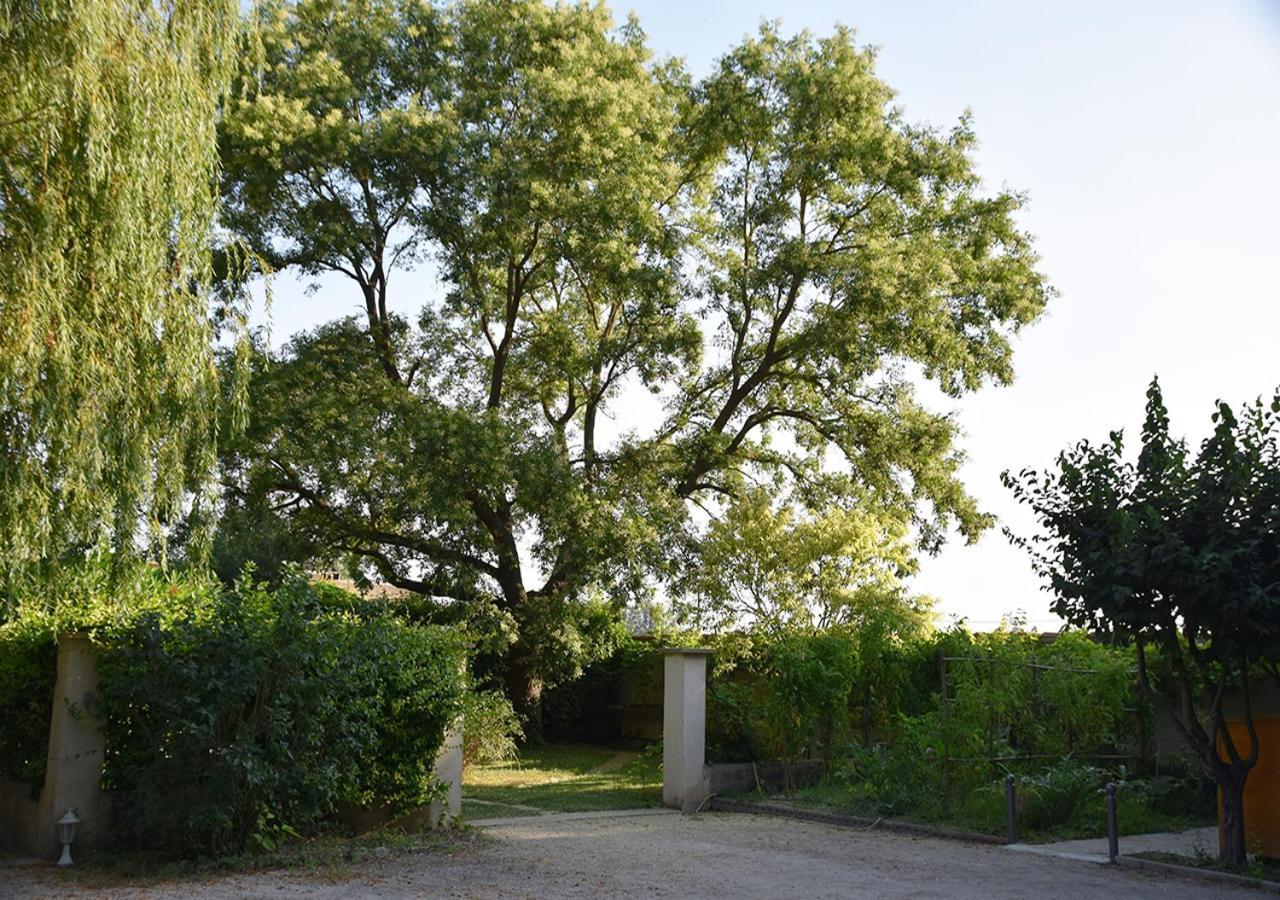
<point>108,189</point>
<point>232,715</point>
<point>27,672</point>
<point>770,251</point>
<point>1063,715</point>
<point>776,568</point>
<point>589,708</point>
<point>491,731</point>
<point>1011,697</point>
<point>1176,554</point>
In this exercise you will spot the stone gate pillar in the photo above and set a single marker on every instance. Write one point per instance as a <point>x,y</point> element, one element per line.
<point>448,770</point>
<point>684,727</point>
<point>73,771</point>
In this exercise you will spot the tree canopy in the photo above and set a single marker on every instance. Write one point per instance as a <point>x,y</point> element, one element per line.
<point>1177,554</point>
<point>780,569</point>
<point>773,252</point>
<point>108,160</point>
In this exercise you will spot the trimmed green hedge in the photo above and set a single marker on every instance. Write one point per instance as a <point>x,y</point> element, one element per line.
<point>235,715</point>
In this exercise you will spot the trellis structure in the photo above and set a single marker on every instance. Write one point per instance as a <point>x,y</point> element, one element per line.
<point>1040,710</point>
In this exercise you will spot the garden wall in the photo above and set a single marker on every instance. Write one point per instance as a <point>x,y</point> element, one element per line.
<point>722,777</point>
<point>616,700</point>
<point>1168,741</point>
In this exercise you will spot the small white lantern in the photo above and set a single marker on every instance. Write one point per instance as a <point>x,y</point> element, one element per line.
<point>67,833</point>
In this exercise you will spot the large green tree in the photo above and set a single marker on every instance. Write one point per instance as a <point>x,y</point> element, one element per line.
<point>108,187</point>
<point>777,569</point>
<point>1177,555</point>
<point>773,252</point>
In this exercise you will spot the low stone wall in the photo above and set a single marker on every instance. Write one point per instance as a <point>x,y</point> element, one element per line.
<point>725,777</point>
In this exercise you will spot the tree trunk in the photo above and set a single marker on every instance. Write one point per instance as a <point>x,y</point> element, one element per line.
<point>1232,847</point>
<point>524,690</point>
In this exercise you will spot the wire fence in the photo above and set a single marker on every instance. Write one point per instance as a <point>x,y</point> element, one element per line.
<point>1017,706</point>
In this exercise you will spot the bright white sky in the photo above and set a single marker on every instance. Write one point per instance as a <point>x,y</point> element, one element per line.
<point>1147,138</point>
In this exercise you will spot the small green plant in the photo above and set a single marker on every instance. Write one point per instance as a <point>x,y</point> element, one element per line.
<point>491,731</point>
<point>871,776</point>
<point>1058,795</point>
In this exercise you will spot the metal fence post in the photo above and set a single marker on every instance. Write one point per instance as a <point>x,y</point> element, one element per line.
<point>1011,808</point>
<point>1113,826</point>
<point>946,742</point>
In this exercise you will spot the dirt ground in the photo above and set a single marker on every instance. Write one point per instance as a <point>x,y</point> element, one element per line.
<point>669,855</point>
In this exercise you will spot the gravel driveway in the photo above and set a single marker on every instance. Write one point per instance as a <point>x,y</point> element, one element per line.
<point>669,855</point>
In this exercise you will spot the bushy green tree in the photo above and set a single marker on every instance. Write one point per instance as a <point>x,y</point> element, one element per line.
<point>807,683</point>
<point>1176,554</point>
<point>774,569</point>
<point>770,251</point>
<point>108,187</point>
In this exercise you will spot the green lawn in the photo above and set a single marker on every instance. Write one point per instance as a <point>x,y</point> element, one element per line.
<point>563,778</point>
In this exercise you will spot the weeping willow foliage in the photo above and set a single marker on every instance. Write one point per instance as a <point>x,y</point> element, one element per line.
<point>108,189</point>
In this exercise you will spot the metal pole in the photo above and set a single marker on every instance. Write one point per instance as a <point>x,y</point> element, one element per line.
<point>1113,826</point>
<point>1011,809</point>
<point>946,743</point>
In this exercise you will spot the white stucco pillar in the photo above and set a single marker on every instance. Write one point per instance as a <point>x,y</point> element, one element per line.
<point>448,771</point>
<point>73,769</point>
<point>684,727</point>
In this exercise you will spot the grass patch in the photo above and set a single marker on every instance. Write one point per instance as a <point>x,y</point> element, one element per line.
<point>562,778</point>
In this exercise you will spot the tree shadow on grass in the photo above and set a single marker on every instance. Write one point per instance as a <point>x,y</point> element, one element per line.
<point>560,778</point>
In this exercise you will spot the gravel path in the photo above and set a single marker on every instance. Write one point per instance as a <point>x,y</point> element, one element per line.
<point>713,855</point>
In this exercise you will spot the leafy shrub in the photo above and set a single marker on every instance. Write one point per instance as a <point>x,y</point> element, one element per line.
<point>872,777</point>
<point>263,711</point>
<point>232,715</point>
<point>1044,710</point>
<point>1182,790</point>
<point>779,696</point>
<point>415,692</point>
<point>28,658</point>
<point>1058,795</point>
<point>1067,800</point>
<point>1011,693</point>
<point>906,776</point>
<point>491,729</point>
<point>733,710</point>
<point>806,700</point>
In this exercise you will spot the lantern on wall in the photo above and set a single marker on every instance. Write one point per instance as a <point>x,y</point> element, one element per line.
<point>67,833</point>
